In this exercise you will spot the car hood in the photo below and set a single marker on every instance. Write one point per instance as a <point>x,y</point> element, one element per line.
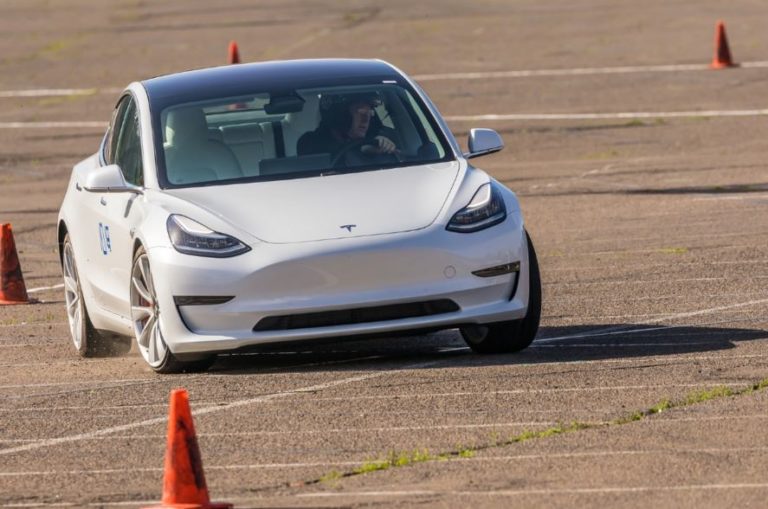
<point>333,206</point>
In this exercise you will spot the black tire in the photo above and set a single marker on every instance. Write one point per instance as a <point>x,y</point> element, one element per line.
<point>87,340</point>
<point>173,364</point>
<point>514,335</point>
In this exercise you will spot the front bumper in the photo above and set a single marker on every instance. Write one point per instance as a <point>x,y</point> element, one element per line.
<point>284,279</point>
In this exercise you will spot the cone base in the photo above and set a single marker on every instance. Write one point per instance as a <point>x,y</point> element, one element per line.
<point>722,65</point>
<point>11,302</point>
<point>211,505</point>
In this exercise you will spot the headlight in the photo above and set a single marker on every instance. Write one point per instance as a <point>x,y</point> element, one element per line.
<point>484,210</point>
<point>190,237</point>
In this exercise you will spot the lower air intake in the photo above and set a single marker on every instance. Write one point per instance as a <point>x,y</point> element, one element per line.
<point>356,315</point>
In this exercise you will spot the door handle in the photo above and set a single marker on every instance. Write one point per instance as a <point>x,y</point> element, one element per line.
<point>103,201</point>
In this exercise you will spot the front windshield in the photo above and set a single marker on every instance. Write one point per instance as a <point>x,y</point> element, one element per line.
<point>297,133</point>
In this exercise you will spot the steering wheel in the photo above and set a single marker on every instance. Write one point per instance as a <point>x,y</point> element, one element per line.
<point>358,144</point>
<point>346,149</point>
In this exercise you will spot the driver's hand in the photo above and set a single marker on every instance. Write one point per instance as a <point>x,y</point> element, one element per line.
<point>383,146</point>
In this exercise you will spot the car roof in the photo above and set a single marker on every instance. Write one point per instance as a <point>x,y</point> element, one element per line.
<point>244,79</point>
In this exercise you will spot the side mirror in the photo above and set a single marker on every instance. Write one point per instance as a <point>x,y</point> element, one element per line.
<point>108,179</point>
<point>482,142</point>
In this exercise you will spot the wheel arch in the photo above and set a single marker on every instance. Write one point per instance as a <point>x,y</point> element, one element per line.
<point>137,243</point>
<point>61,233</point>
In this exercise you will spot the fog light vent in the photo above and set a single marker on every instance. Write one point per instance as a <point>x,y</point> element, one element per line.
<point>498,270</point>
<point>201,300</point>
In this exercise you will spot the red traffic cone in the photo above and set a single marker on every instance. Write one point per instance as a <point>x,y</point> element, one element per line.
<point>722,59</point>
<point>234,53</point>
<point>183,480</point>
<point>12,289</point>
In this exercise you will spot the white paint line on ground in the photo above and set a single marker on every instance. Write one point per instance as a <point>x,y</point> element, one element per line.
<point>311,464</point>
<point>593,454</point>
<point>80,382</point>
<point>740,197</point>
<point>674,316</point>
<point>558,390</point>
<point>209,410</point>
<point>514,493</point>
<point>310,432</point>
<point>54,125</point>
<point>45,288</point>
<point>219,436</point>
<point>578,71</point>
<point>708,418</point>
<point>624,282</point>
<point>628,115</point>
<point>466,118</point>
<point>521,73</point>
<point>670,420</point>
<point>57,92</point>
<point>627,345</point>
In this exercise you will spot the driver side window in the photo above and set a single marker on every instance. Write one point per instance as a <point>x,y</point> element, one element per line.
<point>127,149</point>
<point>110,141</point>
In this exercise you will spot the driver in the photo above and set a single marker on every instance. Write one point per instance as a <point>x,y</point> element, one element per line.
<point>347,121</point>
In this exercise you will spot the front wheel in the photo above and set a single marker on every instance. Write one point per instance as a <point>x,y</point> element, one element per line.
<point>514,335</point>
<point>145,315</point>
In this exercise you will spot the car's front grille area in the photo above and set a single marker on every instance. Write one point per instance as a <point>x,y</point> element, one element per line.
<point>356,315</point>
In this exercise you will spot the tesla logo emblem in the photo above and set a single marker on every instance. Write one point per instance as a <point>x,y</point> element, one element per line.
<point>348,227</point>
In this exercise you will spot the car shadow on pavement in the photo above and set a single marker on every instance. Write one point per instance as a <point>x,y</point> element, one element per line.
<point>447,349</point>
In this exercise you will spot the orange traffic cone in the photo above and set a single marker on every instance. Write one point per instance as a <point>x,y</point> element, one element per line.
<point>12,289</point>
<point>722,59</point>
<point>234,53</point>
<point>183,481</point>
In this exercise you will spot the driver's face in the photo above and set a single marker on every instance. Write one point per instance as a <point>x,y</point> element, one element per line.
<point>361,120</point>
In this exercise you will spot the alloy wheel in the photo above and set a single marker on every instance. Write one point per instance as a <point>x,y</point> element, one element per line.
<point>73,298</point>
<point>145,314</point>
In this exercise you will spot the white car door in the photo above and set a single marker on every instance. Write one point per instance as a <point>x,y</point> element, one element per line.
<point>116,215</point>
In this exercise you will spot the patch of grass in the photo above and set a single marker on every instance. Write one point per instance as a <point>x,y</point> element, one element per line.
<point>673,250</point>
<point>659,407</point>
<point>706,395</point>
<point>467,453</point>
<point>62,99</point>
<point>404,458</point>
<point>331,477</point>
<point>372,466</point>
<point>559,429</point>
<point>395,459</point>
<point>635,122</point>
<point>55,48</point>
<point>632,417</point>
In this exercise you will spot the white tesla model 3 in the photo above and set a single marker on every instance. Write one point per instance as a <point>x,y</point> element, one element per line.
<point>284,201</point>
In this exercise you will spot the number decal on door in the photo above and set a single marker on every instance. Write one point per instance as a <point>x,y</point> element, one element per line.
<point>104,240</point>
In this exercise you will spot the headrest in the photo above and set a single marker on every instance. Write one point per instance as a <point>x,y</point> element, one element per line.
<point>185,126</point>
<point>243,133</point>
